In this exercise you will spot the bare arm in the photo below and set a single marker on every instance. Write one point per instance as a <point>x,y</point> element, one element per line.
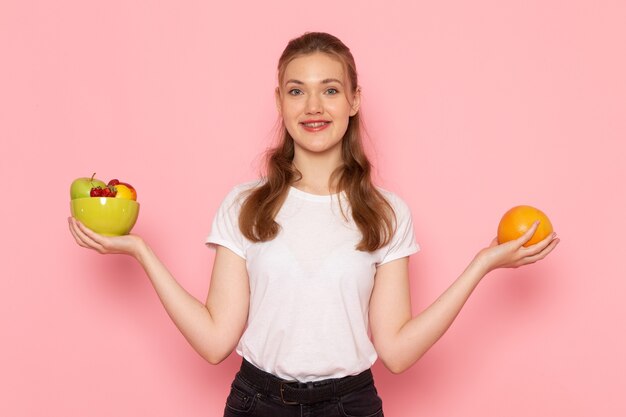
<point>401,339</point>
<point>213,329</point>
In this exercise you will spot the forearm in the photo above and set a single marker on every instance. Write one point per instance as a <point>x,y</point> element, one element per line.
<point>418,334</point>
<point>400,339</point>
<point>191,316</point>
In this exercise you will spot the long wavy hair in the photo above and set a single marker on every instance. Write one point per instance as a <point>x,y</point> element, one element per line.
<point>370,211</point>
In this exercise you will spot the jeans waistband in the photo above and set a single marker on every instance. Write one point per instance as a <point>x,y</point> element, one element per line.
<point>293,392</point>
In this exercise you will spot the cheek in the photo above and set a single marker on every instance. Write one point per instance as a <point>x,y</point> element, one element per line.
<point>341,114</point>
<point>341,110</point>
<point>291,125</point>
<point>290,112</point>
<point>291,130</point>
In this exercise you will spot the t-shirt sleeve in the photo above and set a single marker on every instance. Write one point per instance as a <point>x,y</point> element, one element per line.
<point>403,241</point>
<point>225,227</point>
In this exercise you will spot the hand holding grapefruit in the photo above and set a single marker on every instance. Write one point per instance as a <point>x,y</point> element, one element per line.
<point>518,220</point>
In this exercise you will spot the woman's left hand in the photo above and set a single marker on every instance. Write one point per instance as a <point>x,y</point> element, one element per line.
<point>513,254</point>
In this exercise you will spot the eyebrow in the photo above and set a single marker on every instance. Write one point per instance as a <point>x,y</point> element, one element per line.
<point>324,81</point>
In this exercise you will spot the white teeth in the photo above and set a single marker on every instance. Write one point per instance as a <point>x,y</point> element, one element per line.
<point>316,124</point>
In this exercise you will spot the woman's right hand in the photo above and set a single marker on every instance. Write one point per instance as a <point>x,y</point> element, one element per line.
<point>87,238</point>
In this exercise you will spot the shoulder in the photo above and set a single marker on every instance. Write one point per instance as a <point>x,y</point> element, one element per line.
<point>237,195</point>
<point>240,191</point>
<point>247,186</point>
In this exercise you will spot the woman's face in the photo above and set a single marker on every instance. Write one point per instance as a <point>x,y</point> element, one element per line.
<point>315,100</point>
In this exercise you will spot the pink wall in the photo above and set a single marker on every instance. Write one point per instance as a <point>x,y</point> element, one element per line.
<point>472,107</point>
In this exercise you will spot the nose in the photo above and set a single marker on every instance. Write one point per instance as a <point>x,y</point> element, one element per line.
<point>313,104</point>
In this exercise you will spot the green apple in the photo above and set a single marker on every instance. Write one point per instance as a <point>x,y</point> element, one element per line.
<point>81,187</point>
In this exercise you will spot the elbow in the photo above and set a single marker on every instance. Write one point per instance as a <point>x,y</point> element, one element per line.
<point>216,349</point>
<point>214,358</point>
<point>396,367</point>
<point>396,370</point>
<point>215,361</point>
<point>390,359</point>
<point>397,363</point>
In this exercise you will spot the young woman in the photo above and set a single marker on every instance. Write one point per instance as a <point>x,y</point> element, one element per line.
<point>310,257</point>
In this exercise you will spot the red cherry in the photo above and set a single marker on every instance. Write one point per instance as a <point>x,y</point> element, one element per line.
<point>96,192</point>
<point>114,182</point>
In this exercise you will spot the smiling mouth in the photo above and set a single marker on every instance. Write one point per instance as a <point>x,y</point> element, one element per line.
<point>314,124</point>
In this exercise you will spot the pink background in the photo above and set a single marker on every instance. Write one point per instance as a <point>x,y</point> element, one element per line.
<point>471,107</point>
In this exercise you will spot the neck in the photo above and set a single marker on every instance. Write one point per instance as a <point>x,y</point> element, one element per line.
<point>316,171</point>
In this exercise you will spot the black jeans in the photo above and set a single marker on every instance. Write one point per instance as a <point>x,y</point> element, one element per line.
<point>245,399</point>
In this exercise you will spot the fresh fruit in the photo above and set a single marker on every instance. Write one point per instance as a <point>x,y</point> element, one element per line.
<point>518,220</point>
<point>92,187</point>
<point>124,190</point>
<point>112,209</point>
<point>81,187</point>
<point>108,191</point>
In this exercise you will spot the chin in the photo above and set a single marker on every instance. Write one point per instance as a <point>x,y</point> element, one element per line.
<point>316,143</point>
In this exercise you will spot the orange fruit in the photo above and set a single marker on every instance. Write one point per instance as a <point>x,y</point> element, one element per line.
<point>518,220</point>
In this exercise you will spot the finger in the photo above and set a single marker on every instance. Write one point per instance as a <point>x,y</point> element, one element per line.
<point>82,240</point>
<point>539,256</point>
<point>102,244</point>
<point>75,235</point>
<point>93,236</point>
<point>528,235</point>
<point>541,245</point>
<point>86,236</point>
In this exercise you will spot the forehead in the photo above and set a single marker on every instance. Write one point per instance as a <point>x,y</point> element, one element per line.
<point>314,68</point>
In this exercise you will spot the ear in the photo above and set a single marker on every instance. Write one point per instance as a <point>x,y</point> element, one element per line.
<point>277,98</point>
<point>356,102</point>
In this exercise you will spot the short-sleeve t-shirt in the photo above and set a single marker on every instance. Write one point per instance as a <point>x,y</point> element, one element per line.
<point>309,286</point>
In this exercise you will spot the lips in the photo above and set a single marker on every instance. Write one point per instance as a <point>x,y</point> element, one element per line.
<point>314,125</point>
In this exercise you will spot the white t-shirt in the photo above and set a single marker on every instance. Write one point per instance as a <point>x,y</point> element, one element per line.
<point>309,287</point>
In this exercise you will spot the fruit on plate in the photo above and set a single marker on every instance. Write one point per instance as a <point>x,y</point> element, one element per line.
<point>81,187</point>
<point>109,209</point>
<point>123,190</point>
<point>519,219</point>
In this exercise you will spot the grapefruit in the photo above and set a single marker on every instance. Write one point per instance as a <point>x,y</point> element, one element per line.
<point>518,220</point>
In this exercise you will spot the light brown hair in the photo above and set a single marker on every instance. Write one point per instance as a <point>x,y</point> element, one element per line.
<point>371,212</point>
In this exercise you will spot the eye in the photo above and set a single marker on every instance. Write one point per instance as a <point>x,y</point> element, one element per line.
<point>294,92</point>
<point>332,91</point>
